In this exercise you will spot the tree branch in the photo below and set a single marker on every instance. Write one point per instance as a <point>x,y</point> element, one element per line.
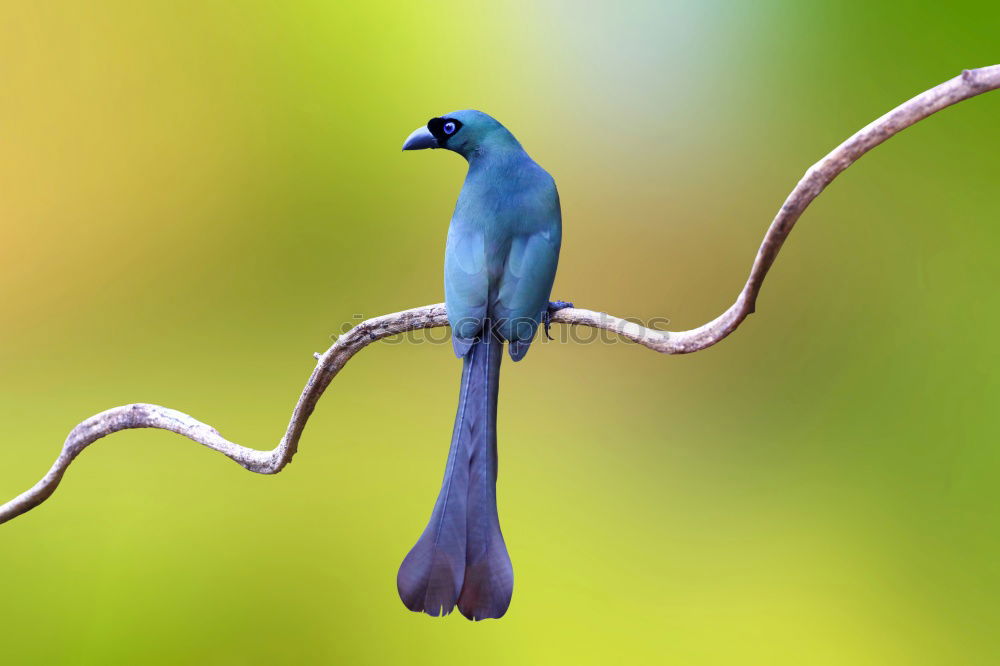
<point>969,84</point>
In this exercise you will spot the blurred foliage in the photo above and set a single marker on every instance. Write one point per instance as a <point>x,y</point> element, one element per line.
<point>196,195</point>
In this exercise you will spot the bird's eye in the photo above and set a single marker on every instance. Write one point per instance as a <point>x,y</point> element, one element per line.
<point>449,128</point>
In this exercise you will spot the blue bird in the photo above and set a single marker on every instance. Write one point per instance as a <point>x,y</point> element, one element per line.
<point>500,262</point>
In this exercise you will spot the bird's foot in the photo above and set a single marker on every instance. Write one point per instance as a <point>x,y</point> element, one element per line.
<point>554,306</point>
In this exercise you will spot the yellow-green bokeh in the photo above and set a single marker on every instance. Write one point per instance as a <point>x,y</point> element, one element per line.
<point>196,195</point>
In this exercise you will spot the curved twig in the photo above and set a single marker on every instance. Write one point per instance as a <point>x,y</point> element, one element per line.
<point>969,84</point>
<point>142,415</point>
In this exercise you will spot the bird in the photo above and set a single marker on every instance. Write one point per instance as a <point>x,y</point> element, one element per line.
<point>500,263</point>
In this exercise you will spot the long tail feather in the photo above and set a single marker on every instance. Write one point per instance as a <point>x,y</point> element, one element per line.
<point>461,557</point>
<point>489,577</point>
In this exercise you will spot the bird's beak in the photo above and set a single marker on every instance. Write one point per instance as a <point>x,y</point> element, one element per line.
<point>420,138</point>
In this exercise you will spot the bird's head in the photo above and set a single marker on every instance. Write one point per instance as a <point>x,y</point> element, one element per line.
<point>464,132</point>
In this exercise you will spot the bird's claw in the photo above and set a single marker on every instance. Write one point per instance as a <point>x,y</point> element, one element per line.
<point>554,306</point>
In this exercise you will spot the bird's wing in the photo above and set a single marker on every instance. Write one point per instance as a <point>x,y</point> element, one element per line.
<point>466,284</point>
<point>526,285</point>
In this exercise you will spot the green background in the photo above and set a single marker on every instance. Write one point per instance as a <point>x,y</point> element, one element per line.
<point>195,195</point>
